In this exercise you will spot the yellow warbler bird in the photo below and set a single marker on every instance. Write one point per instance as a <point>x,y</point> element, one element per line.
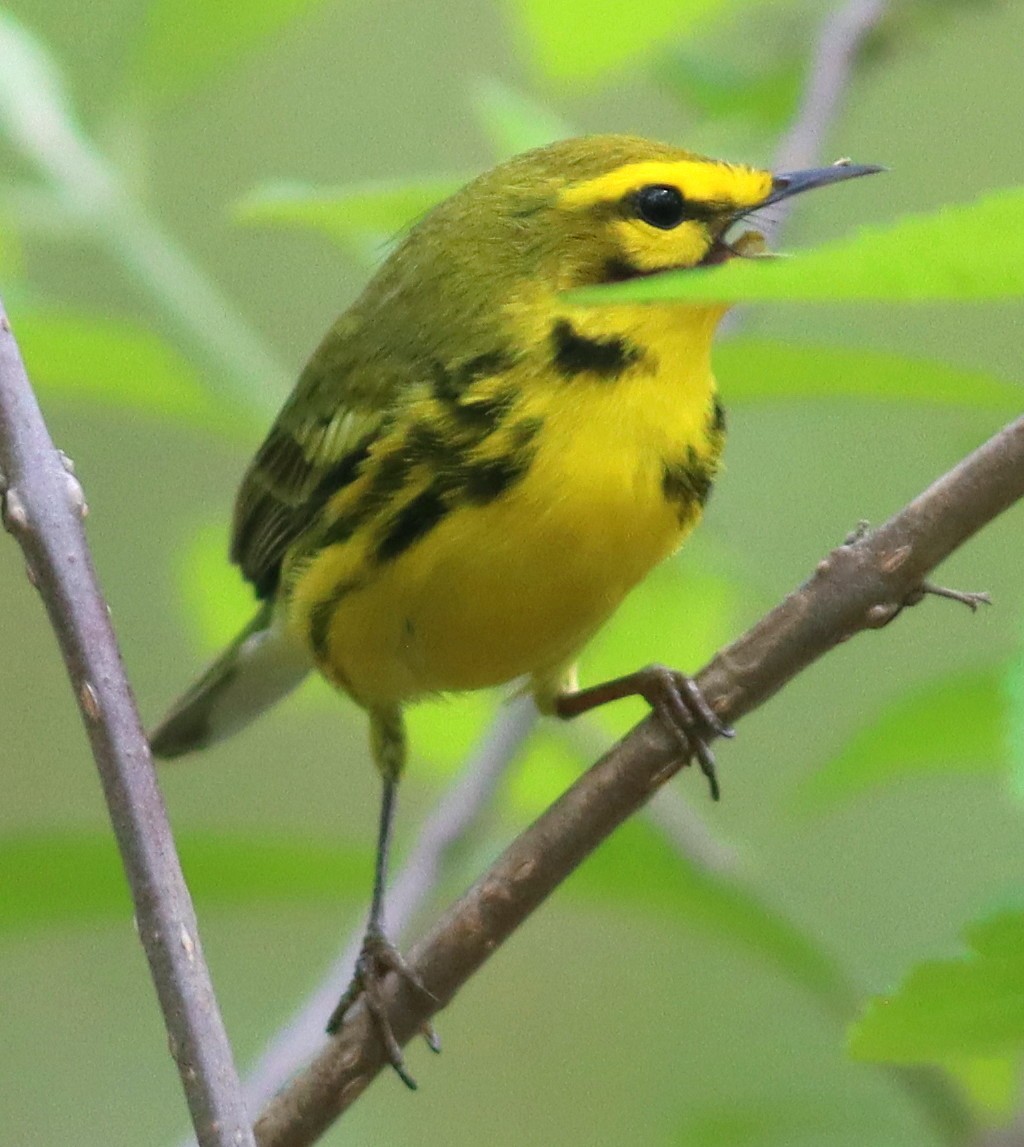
<point>472,471</point>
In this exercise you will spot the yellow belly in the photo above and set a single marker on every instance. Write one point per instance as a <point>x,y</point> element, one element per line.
<point>518,586</point>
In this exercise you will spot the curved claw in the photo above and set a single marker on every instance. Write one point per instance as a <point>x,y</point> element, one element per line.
<point>674,697</point>
<point>377,958</point>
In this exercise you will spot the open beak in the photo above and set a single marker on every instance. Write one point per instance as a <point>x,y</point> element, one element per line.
<point>784,185</point>
<point>795,182</point>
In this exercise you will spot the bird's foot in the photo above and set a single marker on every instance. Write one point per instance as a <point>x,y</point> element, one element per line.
<point>674,697</point>
<point>966,597</point>
<point>377,958</point>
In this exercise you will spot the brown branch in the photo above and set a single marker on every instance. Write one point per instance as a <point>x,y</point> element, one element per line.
<point>43,508</point>
<point>860,585</point>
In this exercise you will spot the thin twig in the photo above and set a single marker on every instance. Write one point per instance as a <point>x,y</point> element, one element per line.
<point>861,585</point>
<point>43,508</point>
<point>842,38</point>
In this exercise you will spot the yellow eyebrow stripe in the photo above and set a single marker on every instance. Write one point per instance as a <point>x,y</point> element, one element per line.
<point>701,181</point>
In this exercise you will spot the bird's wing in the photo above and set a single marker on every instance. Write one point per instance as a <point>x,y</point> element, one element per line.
<point>317,445</point>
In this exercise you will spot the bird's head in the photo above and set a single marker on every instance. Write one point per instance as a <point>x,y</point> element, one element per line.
<point>605,208</point>
<point>577,213</point>
<point>628,208</point>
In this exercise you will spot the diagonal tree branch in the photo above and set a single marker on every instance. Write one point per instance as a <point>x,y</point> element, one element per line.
<point>43,508</point>
<point>863,584</point>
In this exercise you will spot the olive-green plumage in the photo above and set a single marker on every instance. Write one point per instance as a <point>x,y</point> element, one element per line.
<point>473,471</point>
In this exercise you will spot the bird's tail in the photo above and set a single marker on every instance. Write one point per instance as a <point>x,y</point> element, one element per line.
<point>262,665</point>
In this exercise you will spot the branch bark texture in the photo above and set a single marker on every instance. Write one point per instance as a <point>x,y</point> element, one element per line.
<point>861,585</point>
<point>43,508</point>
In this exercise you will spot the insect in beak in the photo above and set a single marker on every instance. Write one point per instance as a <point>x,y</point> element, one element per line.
<point>750,244</point>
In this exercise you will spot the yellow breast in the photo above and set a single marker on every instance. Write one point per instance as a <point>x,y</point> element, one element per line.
<point>517,585</point>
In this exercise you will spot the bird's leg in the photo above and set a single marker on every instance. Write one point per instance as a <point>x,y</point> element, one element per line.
<point>673,696</point>
<point>378,956</point>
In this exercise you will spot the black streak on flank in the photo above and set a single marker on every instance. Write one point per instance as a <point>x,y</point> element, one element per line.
<point>320,618</point>
<point>575,354</point>
<point>478,483</point>
<point>388,478</point>
<point>687,483</point>
<point>415,519</point>
<point>717,421</point>
<point>452,384</point>
<point>485,481</point>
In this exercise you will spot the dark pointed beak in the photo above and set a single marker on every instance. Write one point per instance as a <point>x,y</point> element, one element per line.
<point>796,182</point>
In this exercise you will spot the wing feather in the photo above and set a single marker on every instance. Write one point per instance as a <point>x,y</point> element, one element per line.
<point>317,445</point>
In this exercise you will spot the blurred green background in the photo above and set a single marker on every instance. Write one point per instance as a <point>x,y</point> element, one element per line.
<point>872,805</point>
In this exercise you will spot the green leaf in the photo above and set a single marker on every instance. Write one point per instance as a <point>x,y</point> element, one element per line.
<point>513,122</point>
<point>12,256</point>
<point>636,867</point>
<point>445,729</point>
<point>114,362</point>
<point>809,1120</point>
<point>187,42</point>
<point>717,88</point>
<point>60,878</point>
<point>217,600</point>
<point>969,251</point>
<point>361,219</point>
<point>1013,688</point>
<point>992,1083</point>
<point>583,39</point>
<point>749,370</point>
<point>970,1007</point>
<point>550,764</point>
<point>953,725</point>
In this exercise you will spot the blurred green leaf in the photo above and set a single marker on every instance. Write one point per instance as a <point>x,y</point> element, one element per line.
<point>1013,689</point>
<point>991,1083</point>
<point>512,121</point>
<point>637,867</point>
<point>716,88</point>
<point>444,730</point>
<point>218,601</point>
<point>549,766</point>
<point>59,878</point>
<point>362,219</point>
<point>117,363</point>
<point>12,260</point>
<point>581,40</point>
<point>66,878</point>
<point>811,1120</point>
<point>187,42</point>
<point>955,724</point>
<point>966,251</point>
<point>972,1006</point>
<point>750,370</point>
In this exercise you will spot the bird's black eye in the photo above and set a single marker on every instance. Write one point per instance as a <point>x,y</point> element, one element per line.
<point>660,205</point>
